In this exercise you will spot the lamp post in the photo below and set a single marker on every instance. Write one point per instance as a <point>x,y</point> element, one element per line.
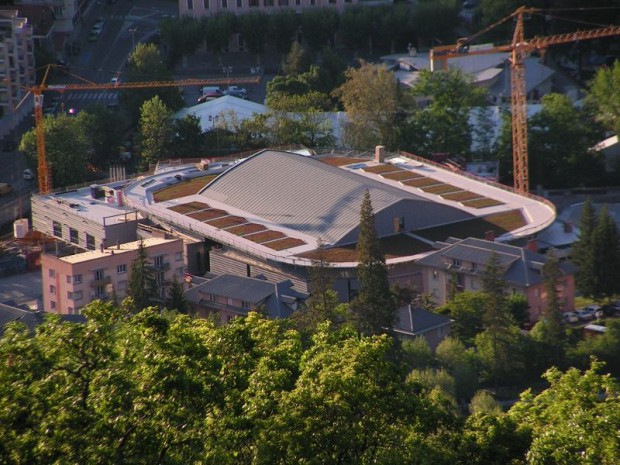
<point>133,31</point>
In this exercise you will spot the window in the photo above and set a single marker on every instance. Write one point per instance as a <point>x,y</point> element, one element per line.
<point>52,289</point>
<point>99,292</point>
<point>297,2</point>
<point>268,3</point>
<point>57,229</point>
<point>474,266</point>
<point>246,305</point>
<point>180,271</point>
<point>158,261</point>
<point>332,2</point>
<point>77,279</point>
<point>190,4</point>
<point>224,3</point>
<point>159,277</point>
<point>76,295</point>
<point>312,2</point>
<point>205,4</point>
<point>178,256</point>
<point>120,269</point>
<point>456,261</point>
<point>254,3</point>
<point>212,297</point>
<point>53,305</point>
<point>99,274</point>
<point>435,275</point>
<point>239,3</point>
<point>51,273</point>
<point>90,242</point>
<point>283,2</point>
<point>73,236</point>
<point>229,318</point>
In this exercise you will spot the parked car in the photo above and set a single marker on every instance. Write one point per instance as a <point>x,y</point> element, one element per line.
<point>611,310</point>
<point>206,97</point>
<point>28,174</point>
<point>570,317</point>
<point>235,91</point>
<point>595,310</point>
<point>585,315</point>
<point>115,80</point>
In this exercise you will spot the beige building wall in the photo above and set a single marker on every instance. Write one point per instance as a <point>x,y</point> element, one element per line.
<point>70,283</point>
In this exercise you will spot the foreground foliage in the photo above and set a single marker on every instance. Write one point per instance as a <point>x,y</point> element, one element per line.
<point>155,388</point>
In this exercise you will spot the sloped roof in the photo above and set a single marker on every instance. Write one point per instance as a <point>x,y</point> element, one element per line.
<point>9,314</point>
<point>523,267</point>
<point>278,299</point>
<point>417,321</point>
<point>243,109</point>
<point>305,194</point>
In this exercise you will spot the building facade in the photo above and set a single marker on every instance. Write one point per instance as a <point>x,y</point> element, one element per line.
<point>460,265</point>
<point>16,67</point>
<point>71,282</point>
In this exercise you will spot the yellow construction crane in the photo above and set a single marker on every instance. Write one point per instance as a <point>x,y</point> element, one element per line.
<point>518,49</point>
<point>44,171</point>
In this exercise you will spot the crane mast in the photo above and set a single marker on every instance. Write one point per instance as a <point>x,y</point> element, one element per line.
<point>519,48</point>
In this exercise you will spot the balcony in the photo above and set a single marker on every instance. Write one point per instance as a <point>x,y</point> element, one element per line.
<point>101,282</point>
<point>165,266</point>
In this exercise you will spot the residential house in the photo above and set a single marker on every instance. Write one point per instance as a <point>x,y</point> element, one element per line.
<point>460,264</point>
<point>415,322</point>
<point>10,314</point>
<point>230,296</point>
<point>73,281</point>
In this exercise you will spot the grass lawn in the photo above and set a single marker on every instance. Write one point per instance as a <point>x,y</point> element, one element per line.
<point>248,228</point>
<point>499,223</point>
<point>441,189</point>
<point>402,175</point>
<point>265,236</point>
<point>461,196</point>
<point>183,188</point>
<point>189,207</point>
<point>482,203</point>
<point>378,169</point>
<point>341,161</point>
<point>286,243</point>
<point>400,245</point>
<point>421,182</point>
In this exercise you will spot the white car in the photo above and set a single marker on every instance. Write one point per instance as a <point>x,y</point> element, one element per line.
<point>115,80</point>
<point>28,174</point>
<point>570,317</point>
<point>235,91</point>
<point>585,315</point>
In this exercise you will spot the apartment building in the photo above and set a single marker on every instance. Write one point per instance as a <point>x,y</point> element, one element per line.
<point>71,282</point>
<point>16,66</point>
<point>88,218</point>
<point>200,8</point>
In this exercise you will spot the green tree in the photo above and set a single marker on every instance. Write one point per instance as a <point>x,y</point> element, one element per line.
<point>552,332</point>
<point>445,121</point>
<point>577,416</point>
<point>606,252</point>
<point>357,27</point>
<point>142,286</point>
<point>297,60</point>
<point>176,298</point>
<point>105,129</point>
<point>605,347</point>
<point>370,98</point>
<point>255,29</point>
<point>181,35</point>
<point>395,29</point>
<point>156,131</point>
<point>147,64</point>
<point>188,140</point>
<point>218,30</point>
<point>467,310</point>
<point>283,25</point>
<point>461,363</point>
<point>417,354</point>
<point>497,343</point>
<point>604,95</point>
<point>319,26</point>
<point>435,20</point>
<point>68,148</point>
<point>582,251</point>
<point>484,403</point>
<point>560,138</point>
<point>373,306</point>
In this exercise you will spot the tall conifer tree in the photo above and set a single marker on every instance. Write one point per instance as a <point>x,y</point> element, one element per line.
<point>142,286</point>
<point>606,256</point>
<point>374,307</point>
<point>582,254</point>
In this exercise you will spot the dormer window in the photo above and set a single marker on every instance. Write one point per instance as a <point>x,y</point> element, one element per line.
<point>456,261</point>
<point>474,266</point>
